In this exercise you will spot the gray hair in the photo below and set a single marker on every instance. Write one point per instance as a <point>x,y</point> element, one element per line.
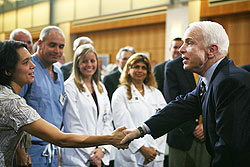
<point>17,31</point>
<point>213,33</point>
<point>80,41</point>
<point>44,33</point>
<point>125,49</point>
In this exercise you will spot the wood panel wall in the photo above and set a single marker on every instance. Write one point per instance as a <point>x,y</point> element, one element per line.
<point>146,38</point>
<point>238,29</point>
<point>224,9</point>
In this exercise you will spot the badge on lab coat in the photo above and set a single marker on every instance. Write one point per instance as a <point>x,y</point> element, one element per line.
<point>134,100</point>
<point>62,98</point>
<point>105,116</point>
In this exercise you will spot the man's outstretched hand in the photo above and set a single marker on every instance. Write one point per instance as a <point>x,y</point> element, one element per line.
<point>131,134</point>
<point>117,136</point>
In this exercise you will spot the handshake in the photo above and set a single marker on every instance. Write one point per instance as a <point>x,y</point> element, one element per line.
<point>122,136</point>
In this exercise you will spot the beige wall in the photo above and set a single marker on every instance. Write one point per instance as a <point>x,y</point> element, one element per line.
<point>24,13</point>
<point>27,17</point>
<point>137,4</point>
<point>69,10</point>
<point>41,14</point>
<point>1,23</point>
<point>178,18</point>
<point>63,10</point>
<point>9,20</point>
<point>87,8</point>
<point>194,8</point>
<point>114,6</point>
<point>177,21</point>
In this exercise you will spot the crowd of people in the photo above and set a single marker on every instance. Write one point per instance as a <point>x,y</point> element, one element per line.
<point>55,114</point>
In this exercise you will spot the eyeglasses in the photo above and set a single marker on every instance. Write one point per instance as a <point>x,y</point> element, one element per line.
<point>137,67</point>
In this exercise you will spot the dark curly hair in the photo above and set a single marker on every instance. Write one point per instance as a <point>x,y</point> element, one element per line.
<point>9,59</point>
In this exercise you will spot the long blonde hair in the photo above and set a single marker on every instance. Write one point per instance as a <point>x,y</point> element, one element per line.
<point>126,79</point>
<point>82,51</point>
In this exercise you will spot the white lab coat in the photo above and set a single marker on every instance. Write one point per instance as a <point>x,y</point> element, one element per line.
<point>80,116</point>
<point>133,113</point>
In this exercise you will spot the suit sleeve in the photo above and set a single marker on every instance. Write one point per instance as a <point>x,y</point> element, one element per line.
<point>176,112</point>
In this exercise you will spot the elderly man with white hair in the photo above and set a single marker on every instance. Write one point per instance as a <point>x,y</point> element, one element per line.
<point>222,97</point>
<point>22,35</point>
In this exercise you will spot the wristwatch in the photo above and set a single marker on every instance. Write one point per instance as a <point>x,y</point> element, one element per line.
<point>142,133</point>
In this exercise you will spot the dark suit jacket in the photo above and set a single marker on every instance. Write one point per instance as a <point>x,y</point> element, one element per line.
<point>159,74</point>
<point>111,82</point>
<point>246,67</point>
<point>178,81</point>
<point>226,115</point>
<point>67,70</point>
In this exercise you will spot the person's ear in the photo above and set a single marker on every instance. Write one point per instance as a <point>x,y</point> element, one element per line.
<point>8,73</point>
<point>212,51</point>
<point>39,43</point>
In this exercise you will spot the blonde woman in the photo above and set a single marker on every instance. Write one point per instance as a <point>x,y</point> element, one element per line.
<point>132,103</point>
<point>87,109</point>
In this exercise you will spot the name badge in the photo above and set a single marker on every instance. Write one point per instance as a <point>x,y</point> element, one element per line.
<point>105,116</point>
<point>134,100</point>
<point>62,98</point>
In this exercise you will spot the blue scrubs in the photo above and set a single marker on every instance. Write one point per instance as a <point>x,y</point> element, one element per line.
<point>46,96</point>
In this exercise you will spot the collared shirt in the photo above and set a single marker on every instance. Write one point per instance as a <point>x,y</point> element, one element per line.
<point>14,114</point>
<point>45,95</point>
<point>119,68</point>
<point>209,73</point>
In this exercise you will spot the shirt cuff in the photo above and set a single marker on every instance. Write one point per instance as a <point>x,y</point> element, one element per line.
<point>147,128</point>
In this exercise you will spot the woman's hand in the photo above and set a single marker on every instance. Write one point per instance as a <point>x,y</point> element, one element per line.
<point>21,157</point>
<point>148,153</point>
<point>96,159</point>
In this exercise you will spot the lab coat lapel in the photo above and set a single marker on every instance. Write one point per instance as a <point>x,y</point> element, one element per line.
<point>135,92</point>
<point>89,97</point>
<point>139,96</point>
<point>100,102</point>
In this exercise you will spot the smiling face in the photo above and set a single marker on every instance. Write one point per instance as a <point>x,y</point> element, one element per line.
<point>88,65</point>
<point>51,49</point>
<point>24,73</point>
<point>138,72</point>
<point>193,51</point>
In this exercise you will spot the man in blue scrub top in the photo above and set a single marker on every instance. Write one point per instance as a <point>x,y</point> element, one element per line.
<point>46,93</point>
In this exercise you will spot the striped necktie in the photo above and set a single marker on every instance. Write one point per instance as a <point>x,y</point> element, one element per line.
<point>202,91</point>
